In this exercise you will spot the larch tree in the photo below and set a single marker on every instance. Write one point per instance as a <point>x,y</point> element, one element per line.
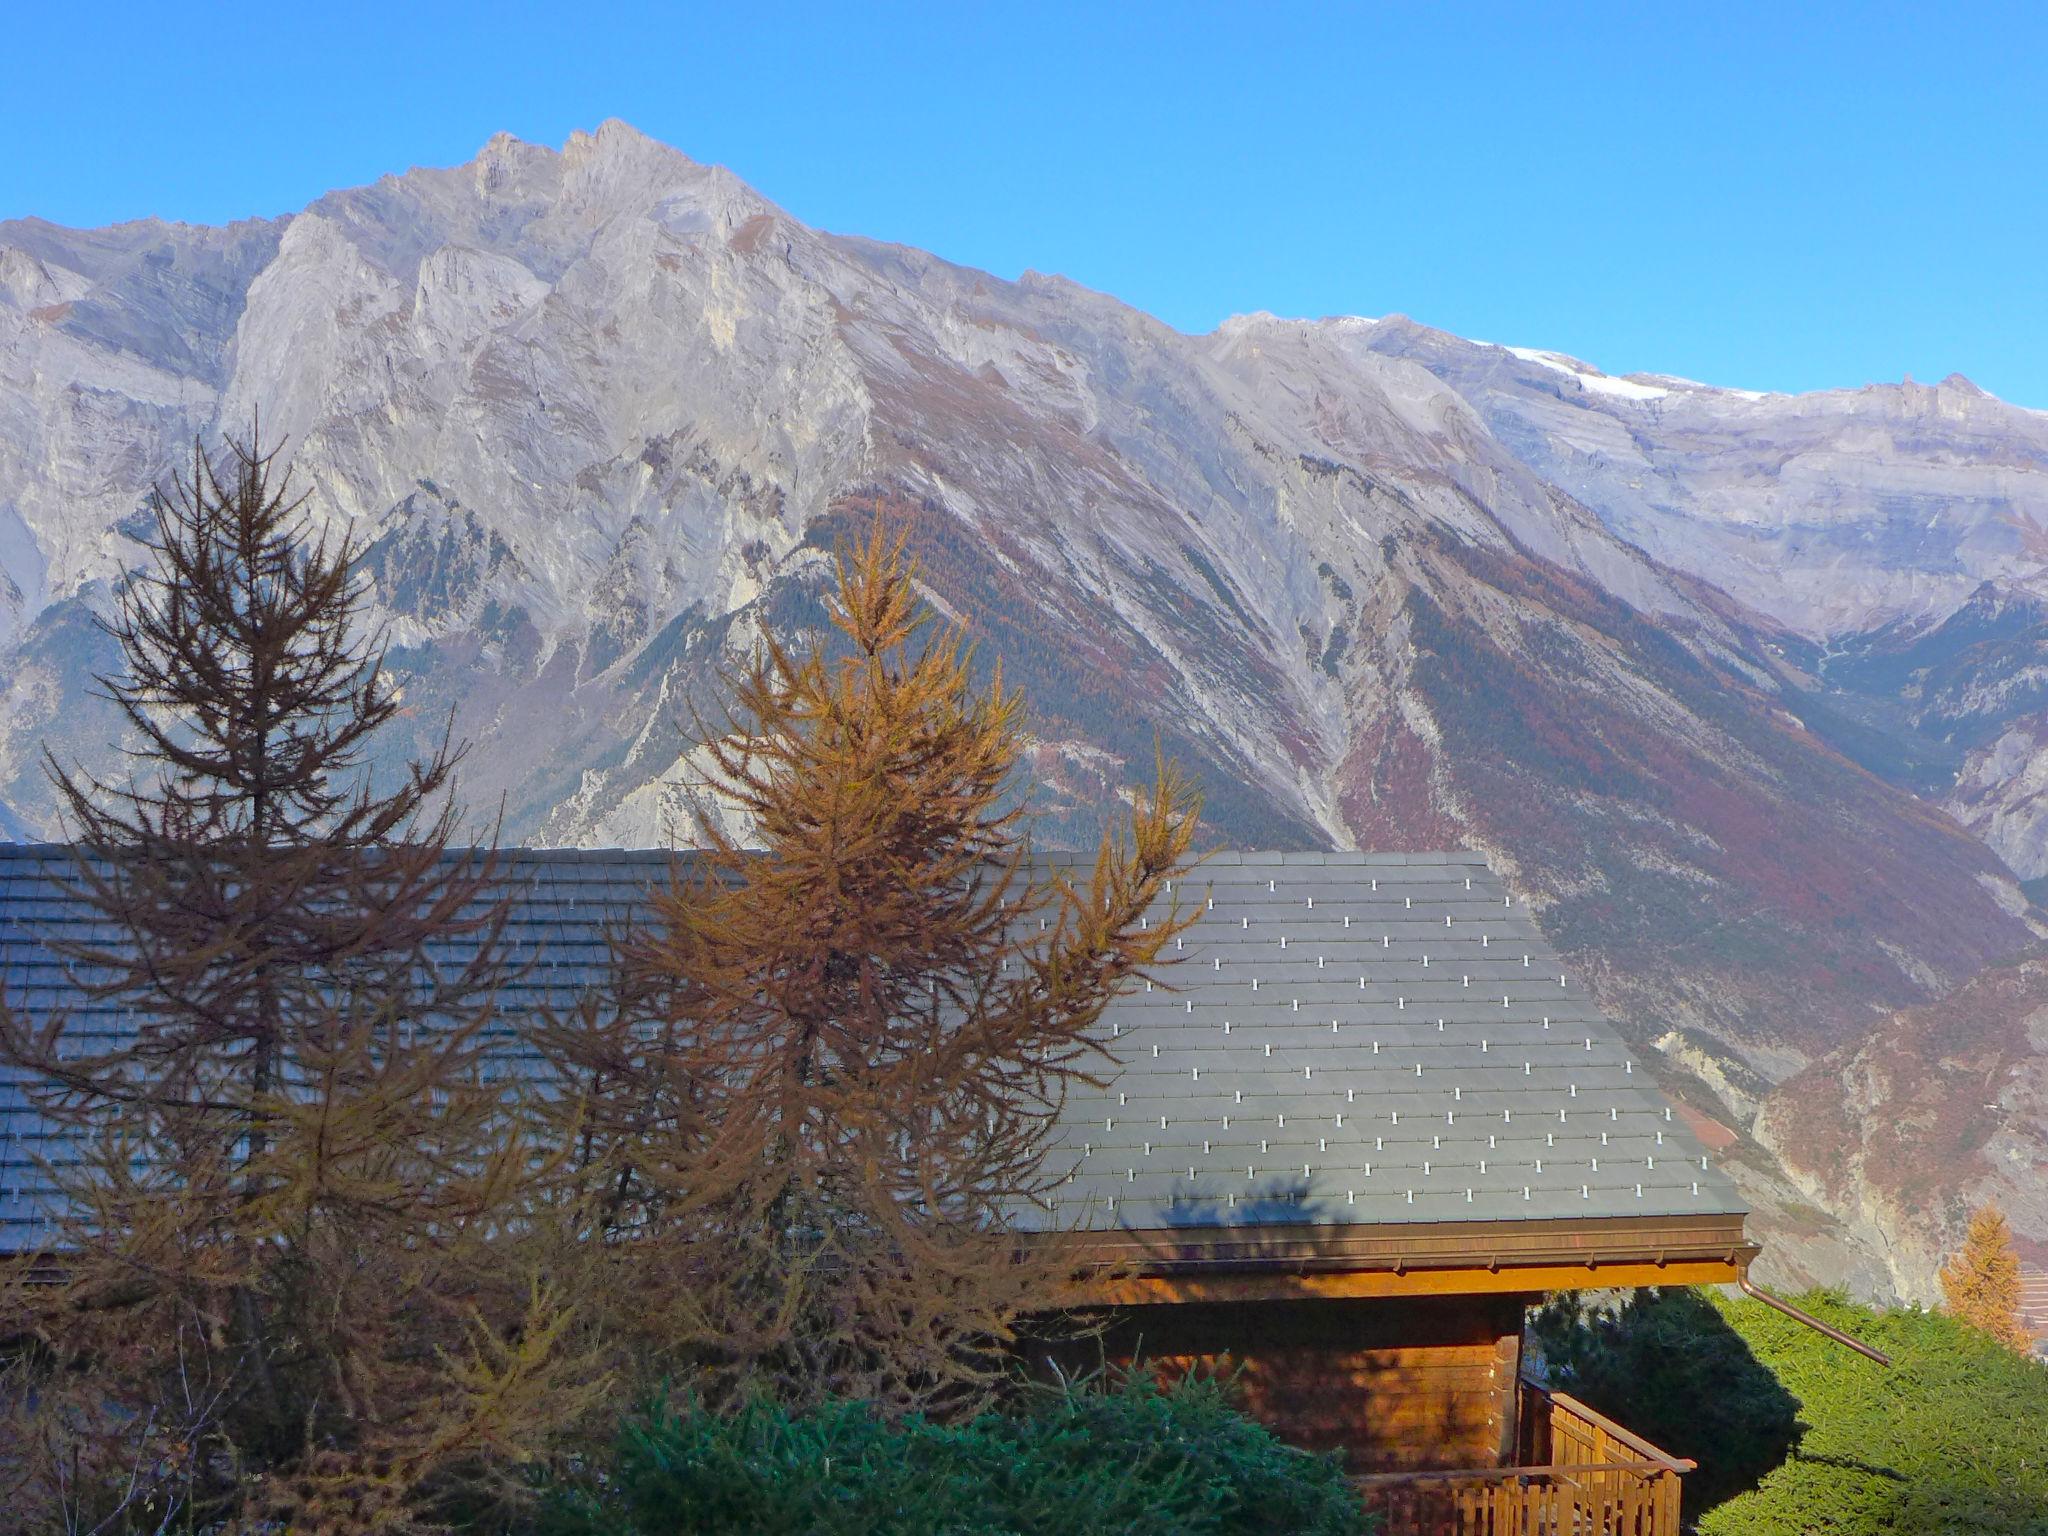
<point>287,1282</point>
<point>821,1094</point>
<point>1982,1280</point>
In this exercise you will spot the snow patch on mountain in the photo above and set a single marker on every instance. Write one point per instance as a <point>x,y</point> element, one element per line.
<point>1590,377</point>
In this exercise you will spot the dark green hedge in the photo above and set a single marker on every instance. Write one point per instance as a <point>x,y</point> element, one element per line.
<point>1131,1458</point>
<point>1950,1440</point>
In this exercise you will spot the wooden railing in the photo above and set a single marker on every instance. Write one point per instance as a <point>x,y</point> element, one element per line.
<point>1583,1475</point>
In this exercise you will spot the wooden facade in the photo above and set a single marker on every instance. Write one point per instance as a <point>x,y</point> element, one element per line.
<point>1401,1351</point>
<point>1424,1400</point>
<point>1391,1385</point>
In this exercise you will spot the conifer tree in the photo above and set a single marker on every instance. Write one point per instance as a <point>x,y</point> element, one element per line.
<point>823,1091</point>
<point>286,1283</point>
<point>1982,1280</point>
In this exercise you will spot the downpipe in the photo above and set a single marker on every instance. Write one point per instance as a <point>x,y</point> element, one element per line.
<point>1756,1293</point>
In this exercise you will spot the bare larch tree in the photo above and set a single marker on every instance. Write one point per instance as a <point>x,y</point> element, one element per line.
<point>287,1283</point>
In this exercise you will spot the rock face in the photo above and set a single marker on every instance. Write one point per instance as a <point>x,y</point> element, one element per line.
<point>596,418</point>
<point>2001,794</point>
<point>1940,1109</point>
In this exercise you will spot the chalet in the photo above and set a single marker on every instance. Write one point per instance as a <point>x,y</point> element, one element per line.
<point>1363,1122</point>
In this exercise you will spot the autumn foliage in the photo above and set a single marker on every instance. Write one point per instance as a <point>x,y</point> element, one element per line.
<point>1982,1280</point>
<point>292,1284</point>
<point>326,1265</point>
<point>823,1089</point>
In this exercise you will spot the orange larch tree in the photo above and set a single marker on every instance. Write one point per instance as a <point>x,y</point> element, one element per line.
<point>824,1089</point>
<point>1982,1280</point>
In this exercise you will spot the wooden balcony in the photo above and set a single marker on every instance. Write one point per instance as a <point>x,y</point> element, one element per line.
<point>1581,1474</point>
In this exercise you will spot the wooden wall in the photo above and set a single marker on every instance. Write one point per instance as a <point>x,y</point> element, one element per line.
<point>1396,1385</point>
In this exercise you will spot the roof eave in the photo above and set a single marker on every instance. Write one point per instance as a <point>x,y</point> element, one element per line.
<point>1436,1258</point>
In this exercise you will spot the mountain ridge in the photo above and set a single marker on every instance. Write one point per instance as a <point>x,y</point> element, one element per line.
<point>597,415</point>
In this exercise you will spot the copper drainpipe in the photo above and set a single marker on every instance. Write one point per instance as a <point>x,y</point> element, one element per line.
<point>1786,1307</point>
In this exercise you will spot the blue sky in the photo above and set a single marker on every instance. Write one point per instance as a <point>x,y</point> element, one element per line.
<point>1783,196</point>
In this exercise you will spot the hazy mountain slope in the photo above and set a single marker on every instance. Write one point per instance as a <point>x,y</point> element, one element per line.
<point>596,417</point>
<point>1833,513</point>
<point>1953,707</point>
<point>1898,532</point>
<point>1701,849</point>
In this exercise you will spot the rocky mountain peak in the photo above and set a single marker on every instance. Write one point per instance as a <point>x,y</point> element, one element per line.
<point>598,413</point>
<point>615,136</point>
<point>508,167</point>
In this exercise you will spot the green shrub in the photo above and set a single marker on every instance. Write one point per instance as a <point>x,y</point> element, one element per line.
<point>1131,1458</point>
<point>1950,1440</point>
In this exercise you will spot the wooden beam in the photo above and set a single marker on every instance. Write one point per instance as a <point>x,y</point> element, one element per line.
<point>1340,1247</point>
<point>1507,1393</point>
<point>1144,1290</point>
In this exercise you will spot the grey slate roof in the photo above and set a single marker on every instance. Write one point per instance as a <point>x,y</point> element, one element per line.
<point>1346,1039</point>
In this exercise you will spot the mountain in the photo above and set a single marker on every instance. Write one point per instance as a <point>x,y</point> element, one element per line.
<point>1957,709</point>
<point>1939,1109</point>
<point>1897,532</point>
<point>597,417</point>
<point>1833,514</point>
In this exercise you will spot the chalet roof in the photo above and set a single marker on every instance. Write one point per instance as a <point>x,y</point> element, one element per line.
<point>1345,1040</point>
